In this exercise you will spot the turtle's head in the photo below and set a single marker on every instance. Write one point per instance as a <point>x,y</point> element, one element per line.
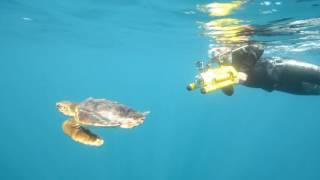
<point>66,107</point>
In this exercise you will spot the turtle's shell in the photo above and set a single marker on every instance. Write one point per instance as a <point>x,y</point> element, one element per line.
<point>103,112</point>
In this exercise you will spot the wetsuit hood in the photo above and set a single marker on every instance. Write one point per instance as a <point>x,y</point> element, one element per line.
<point>244,58</point>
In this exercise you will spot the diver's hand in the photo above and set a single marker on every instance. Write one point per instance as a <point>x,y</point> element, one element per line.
<point>242,77</point>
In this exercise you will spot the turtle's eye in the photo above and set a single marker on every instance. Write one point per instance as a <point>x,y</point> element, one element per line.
<point>60,107</point>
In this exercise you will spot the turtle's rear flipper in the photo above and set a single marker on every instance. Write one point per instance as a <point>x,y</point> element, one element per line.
<point>81,134</point>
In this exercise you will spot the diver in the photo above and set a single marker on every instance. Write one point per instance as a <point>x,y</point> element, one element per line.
<point>287,75</point>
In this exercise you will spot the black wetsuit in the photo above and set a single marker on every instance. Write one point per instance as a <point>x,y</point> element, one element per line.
<point>286,75</point>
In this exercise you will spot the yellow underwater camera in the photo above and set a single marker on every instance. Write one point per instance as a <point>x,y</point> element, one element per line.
<point>228,71</point>
<point>211,79</point>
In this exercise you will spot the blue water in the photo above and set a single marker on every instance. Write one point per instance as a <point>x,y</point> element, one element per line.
<point>142,53</point>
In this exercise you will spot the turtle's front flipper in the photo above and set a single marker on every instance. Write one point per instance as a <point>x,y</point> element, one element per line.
<point>80,134</point>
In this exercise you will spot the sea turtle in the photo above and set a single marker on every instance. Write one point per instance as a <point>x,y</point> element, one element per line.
<point>98,113</point>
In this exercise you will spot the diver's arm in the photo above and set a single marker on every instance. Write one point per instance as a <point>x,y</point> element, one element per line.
<point>286,75</point>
